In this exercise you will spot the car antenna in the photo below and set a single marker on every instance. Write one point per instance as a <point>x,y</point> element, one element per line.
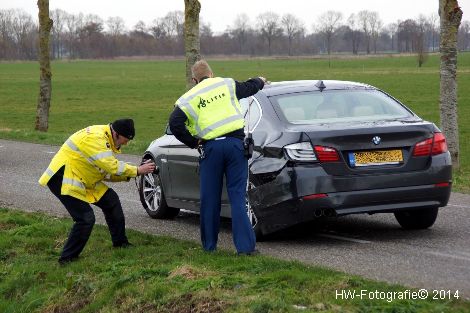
<point>320,85</point>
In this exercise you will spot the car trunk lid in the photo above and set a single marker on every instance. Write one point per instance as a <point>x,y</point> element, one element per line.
<point>370,148</point>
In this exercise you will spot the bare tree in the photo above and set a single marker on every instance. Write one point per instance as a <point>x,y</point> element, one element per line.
<point>191,37</point>
<point>73,24</point>
<point>89,36</point>
<point>391,31</point>
<point>205,29</point>
<point>464,36</point>
<point>206,37</point>
<point>240,30</point>
<point>7,45</point>
<point>92,43</point>
<point>116,31</point>
<point>168,32</point>
<point>158,28</point>
<point>58,16</point>
<point>328,23</point>
<point>173,23</point>
<point>140,27</point>
<point>406,36</point>
<point>92,19</point>
<point>375,26</point>
<point>354,32</point>
<point>268,24</point>
<point>450,17</point>
<point>116,25</point>
<point>292,28</point>
<point>45,86</point>
<point>363,18</point>
<point>433,21</point>
<point>420,39</point>
<point>22,26</point>
<point>139,40</point>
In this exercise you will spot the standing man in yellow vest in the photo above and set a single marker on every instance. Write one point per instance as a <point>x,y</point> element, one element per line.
<point>209,115</point>
<point>75,177</point>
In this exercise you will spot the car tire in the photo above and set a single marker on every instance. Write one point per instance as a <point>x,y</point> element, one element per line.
<point>153,198</point>
<point>417,219</point>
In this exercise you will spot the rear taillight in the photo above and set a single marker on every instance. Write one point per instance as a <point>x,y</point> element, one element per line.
<point>302,152</point>
<point>431,146</point>
<point>423,148</point>
<point>326,154</point>
<point>440,145</point>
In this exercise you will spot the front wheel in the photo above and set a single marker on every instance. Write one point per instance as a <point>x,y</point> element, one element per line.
<point>153,199</point>
<point>417,219</point>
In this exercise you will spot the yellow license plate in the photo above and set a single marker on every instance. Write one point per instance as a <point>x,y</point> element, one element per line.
<point>378,157</point>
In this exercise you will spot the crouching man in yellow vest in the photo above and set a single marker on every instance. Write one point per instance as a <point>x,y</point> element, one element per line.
<point>75,177</point>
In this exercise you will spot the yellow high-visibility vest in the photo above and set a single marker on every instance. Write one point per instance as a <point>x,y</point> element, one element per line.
<point>212,108</point>
<point>88,156</point>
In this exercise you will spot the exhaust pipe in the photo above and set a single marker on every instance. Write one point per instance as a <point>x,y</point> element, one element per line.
<point>318,213</point>
<point>328,212</point>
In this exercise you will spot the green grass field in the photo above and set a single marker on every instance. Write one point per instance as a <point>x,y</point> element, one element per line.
<point>162,274</point>
<point>94,92</point>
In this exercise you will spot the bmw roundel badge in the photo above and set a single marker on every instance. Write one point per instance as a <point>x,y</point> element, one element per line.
<point>376,140</point>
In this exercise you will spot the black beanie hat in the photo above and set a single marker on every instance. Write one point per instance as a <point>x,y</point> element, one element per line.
<point>124,127</point>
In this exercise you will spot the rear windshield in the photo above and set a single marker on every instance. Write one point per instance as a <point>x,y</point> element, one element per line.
<point>339,106</point>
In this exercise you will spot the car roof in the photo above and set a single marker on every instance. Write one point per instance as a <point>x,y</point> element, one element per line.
<point>283,87</point>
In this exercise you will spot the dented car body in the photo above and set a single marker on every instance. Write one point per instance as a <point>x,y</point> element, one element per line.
<point>322,148</point>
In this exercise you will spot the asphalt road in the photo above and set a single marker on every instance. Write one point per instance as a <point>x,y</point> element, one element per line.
<point>372,246</point>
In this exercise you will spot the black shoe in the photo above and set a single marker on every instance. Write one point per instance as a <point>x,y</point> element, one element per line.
<point>251,253</point>
<point>65,261</point>
<point>126,244</point>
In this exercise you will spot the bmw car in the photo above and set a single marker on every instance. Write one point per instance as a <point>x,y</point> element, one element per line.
<point>321,149</point>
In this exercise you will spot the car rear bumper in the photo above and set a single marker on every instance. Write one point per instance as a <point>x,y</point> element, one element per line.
<point>388,200</point>
<point>300,194</point>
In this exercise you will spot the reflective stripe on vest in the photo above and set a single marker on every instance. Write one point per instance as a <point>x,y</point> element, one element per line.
<point>73,182</point>
<point>121,168</point>
<point>49,172</point>
<point>216,125</point>
<point>101,155</point>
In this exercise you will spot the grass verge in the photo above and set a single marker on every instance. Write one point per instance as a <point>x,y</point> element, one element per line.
<point>161,274</point>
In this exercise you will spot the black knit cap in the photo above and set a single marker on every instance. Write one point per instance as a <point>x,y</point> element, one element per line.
<point>124,127</point>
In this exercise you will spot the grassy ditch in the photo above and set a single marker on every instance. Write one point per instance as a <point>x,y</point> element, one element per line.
<point>161,274</point>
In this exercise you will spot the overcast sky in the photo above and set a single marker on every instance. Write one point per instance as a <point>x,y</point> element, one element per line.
<point>220,14</point>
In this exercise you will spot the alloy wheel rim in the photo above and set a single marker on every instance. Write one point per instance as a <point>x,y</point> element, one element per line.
<point>152,192</point>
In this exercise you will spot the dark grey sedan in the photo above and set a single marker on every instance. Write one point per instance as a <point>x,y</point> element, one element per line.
<point>322,148</point>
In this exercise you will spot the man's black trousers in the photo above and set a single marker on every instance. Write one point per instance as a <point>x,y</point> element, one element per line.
<point>84,218</point>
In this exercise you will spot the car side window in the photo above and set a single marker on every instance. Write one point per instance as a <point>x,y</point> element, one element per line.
<point>168,130</point>
<point>254,115</point>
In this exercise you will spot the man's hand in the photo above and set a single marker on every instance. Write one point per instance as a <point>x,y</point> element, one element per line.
<point>146,167</point>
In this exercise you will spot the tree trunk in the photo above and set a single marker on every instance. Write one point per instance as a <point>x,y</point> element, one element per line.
<point>45,86</point>
<point>191,37</point>
<point>450,17</point>
<point>290,46</point>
